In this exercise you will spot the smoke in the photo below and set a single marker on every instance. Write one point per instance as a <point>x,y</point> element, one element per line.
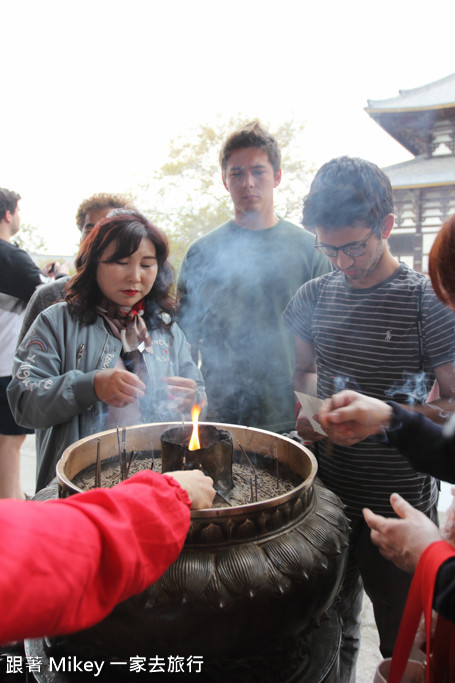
<point>415,388</point>
<point>235,285</point>
<point>341,382</point>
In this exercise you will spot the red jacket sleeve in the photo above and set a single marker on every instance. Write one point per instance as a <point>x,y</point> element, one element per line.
<point>65,564</point>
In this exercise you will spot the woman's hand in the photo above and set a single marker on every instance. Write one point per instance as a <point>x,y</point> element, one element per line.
<point>402,540</point>
<point>118,387</point>
<point>182,390</point>
<point>350,417</point>
<point>198,486</point>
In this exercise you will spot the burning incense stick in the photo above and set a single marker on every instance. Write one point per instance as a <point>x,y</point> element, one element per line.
<point>130,461</point>
<point>98,464</point>
<point>123,472</point>
<point>244,453</point>
<point>275,454</point>
<point>119,448</point>
<point>254,499</point>
<point>329,446</point>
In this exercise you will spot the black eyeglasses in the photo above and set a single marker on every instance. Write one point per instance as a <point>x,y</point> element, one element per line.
<point>352,249</point>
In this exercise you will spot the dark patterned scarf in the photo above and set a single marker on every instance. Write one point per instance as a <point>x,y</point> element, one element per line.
<point>127,324</point>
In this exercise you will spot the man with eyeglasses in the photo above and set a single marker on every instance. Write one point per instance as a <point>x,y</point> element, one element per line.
<point>376,326</point>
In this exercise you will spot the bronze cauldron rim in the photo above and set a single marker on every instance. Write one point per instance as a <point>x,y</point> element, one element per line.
<point>254,438</point>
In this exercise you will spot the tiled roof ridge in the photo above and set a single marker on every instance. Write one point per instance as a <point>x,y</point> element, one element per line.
<point>408,98</point>
<point>427,86</point>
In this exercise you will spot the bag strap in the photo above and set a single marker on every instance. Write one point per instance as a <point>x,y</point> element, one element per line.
<point>420,599</point>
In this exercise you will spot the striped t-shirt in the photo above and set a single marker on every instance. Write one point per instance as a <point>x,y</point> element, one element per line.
<point>368,340</point>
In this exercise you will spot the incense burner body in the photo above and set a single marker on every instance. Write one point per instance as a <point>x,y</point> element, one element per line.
<point>247,575</point>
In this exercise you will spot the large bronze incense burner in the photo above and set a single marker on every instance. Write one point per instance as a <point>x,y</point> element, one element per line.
<point>250,576</point>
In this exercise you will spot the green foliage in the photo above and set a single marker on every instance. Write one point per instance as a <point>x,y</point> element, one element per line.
<point>29,238</point>
<point>186,197</point>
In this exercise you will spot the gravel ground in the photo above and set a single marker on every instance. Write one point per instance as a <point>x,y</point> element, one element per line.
<point>369,656</point>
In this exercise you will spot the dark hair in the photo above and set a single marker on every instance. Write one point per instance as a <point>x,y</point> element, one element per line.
<point>101,200</point>
<point>442,261</point>
<point>8,201</point>
<point>127,228</point>
<point>346,190</point>
<point>251,135</point>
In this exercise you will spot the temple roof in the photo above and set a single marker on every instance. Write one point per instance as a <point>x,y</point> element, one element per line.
<point>431,96</point>
<point>412,116</point>
<point>422,172</point>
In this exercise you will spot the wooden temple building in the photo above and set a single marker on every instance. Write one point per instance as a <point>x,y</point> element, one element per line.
<point>423,121</point>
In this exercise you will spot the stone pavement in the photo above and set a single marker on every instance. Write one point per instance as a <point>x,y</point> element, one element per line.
<point>369,656</point>
<point>28,463</point>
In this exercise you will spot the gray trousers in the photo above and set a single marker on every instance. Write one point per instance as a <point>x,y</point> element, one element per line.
<point>386,586</point>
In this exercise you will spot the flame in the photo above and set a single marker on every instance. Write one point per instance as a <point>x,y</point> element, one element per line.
<point>194,444</point>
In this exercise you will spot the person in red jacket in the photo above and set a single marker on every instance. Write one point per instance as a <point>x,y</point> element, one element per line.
<point>91,551</point>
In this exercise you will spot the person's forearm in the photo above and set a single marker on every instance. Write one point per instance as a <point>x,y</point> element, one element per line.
<point>39,400</point>
<point>305,382</point>
<point>422,442</point>
<point>90,551</point>
<point>437,411</point>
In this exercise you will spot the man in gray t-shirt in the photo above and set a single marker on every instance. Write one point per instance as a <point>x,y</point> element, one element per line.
<point>234,284</point>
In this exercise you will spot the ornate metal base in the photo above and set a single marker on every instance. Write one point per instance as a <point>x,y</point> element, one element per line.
<point>244,601</point>
<point>310,657</point>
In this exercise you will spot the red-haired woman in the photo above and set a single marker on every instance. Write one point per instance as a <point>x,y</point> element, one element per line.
<point>111,354</point>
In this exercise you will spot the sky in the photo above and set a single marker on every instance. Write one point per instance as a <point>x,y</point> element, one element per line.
<point>94,91</point>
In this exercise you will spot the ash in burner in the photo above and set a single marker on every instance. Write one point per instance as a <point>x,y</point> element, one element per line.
<point>256,478</point>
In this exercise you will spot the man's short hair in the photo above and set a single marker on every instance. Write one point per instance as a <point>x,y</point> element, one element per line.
<point>8,201</point>
<point>346,190</point>
<point>102,200</point>
<point>251,135</point>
